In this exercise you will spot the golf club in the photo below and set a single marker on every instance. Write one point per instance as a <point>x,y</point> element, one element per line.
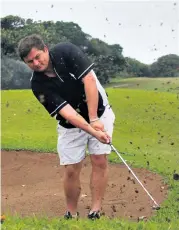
<point>156,206</point>
<point>127,154</point>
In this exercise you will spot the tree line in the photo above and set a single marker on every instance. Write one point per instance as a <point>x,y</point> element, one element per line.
<point>109,60</point>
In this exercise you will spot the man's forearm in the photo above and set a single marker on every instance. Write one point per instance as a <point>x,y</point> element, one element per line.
<point>76,119</point>
<point>91,92</point>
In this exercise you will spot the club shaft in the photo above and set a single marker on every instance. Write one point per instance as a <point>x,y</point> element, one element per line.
<point>134,174</point>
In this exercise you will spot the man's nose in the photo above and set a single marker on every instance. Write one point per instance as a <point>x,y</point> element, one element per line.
<point>35,62</point>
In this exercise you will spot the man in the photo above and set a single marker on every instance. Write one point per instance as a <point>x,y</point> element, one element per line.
<point>64,82</point>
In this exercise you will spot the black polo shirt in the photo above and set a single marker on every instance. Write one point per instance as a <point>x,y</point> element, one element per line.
<point>70,65</point>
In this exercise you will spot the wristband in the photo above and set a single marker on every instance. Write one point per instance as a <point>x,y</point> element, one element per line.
<point>93,120</point>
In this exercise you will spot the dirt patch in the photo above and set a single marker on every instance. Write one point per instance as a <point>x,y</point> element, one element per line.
<point>32,183</point>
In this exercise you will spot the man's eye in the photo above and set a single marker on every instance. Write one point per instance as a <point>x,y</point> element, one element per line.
<point>37,57</point>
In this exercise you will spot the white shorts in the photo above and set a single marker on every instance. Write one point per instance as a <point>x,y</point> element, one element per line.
<point>73,143</point>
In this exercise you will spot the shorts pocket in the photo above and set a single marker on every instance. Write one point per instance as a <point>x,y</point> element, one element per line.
<point>61,130</point>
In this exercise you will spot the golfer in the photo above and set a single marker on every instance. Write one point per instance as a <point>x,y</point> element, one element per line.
<point>65,83</point>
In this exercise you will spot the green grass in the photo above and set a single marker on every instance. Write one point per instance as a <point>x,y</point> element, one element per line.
<point>157,84</point>
<point>147,125</point>
<point>25,124</point>
<point>32,223</point>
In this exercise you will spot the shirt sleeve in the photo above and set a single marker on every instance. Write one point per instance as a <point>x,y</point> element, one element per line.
<point>76,60</point>
<point>53,103</point>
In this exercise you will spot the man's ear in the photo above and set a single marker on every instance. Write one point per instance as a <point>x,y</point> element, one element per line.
<point>45,48</point>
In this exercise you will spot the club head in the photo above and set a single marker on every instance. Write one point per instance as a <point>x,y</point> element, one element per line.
<point>154,207</point>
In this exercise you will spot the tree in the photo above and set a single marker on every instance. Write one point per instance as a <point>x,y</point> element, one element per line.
<point>134,68</point>
<point>166,66</point>
<point>12,22</point>
<point>15,74</point>
<point>107,67</point>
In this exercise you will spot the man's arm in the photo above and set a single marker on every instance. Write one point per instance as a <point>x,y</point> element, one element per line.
<point>92,98</point>
<point>78,121</point>
<point>91,92</point>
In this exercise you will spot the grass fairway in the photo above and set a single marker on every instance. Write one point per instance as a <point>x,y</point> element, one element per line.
<point>147,125</point>
<point>157,84</point>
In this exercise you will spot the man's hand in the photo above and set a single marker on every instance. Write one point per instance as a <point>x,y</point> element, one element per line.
<point>77,120</point>
<point>102,137</point>
<point>97,125</point>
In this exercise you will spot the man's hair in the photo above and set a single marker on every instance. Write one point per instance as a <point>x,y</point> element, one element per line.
<point>26,44</point>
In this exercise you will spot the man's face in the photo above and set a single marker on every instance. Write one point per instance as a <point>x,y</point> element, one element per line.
<point>37,60</point>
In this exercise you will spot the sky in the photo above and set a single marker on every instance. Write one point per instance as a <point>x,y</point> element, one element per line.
<point>145,29</point>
